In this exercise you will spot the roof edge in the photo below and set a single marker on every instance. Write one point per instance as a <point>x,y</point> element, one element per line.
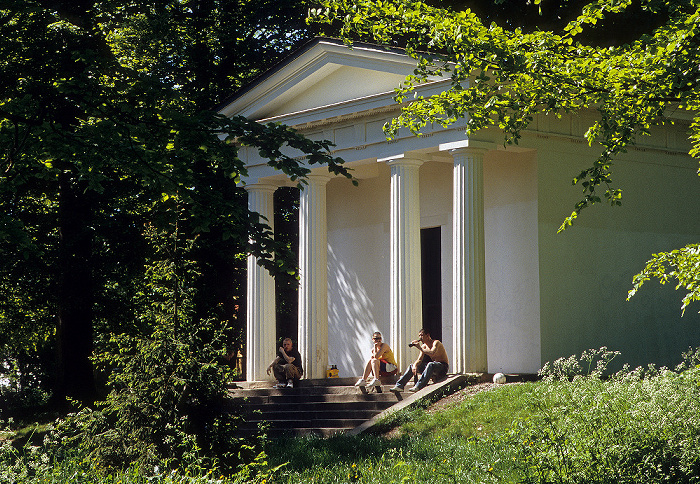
<point>291,57</point>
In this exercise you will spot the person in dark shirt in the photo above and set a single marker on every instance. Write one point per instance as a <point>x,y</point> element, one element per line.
<point>287,365</point>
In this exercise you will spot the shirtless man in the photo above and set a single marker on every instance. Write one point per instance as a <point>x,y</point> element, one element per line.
<point>432,363</point>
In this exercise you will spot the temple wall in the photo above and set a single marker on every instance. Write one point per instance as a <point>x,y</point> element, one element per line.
<point>586,271</point>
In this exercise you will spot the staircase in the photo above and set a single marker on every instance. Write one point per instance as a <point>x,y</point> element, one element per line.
<point>331,406</point>
<point>314,407</point>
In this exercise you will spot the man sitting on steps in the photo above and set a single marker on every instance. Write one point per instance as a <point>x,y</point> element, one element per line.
<point>432,362</point>
<point>287,365</point>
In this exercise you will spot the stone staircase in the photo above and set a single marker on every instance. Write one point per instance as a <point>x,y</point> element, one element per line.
<point>323,407</point>
<point>314,407</point>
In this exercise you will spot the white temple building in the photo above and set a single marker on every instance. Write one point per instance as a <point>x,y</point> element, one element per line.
<point>462,230</point>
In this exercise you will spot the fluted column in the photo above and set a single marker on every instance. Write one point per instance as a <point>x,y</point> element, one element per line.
<point>405,294</point>
<point>313,277</point>
<point>260,311</point>
<point>468,274</point>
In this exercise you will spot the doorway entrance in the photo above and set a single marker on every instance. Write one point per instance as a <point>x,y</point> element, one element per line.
<point>431,280</point>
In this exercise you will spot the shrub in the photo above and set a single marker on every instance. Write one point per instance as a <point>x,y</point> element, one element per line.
<point>167,404</point>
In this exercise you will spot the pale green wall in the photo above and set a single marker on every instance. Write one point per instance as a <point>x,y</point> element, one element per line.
<point>586,271</point>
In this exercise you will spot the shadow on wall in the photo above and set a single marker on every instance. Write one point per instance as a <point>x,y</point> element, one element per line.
<point>351,321</point>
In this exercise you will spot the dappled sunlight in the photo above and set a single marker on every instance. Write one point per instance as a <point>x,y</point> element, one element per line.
<point>350,317</point>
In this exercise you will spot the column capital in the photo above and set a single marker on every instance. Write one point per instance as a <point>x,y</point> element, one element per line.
<point>319,178</point>
<point>467,146</point>
<point>260,187</point>
<point>402,160</point>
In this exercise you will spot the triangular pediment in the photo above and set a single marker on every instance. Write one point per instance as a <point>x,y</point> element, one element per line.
<point>325,73</point>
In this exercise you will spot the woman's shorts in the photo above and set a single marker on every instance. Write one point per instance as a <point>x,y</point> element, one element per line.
<point>386,367</point>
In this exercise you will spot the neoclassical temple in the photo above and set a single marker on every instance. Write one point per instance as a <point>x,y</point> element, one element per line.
<point>458,234</point>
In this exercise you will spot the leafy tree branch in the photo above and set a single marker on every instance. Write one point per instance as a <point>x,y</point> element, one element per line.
<point>501,77</point>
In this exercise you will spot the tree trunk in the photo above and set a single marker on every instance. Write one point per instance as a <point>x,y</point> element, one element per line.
<point>75,378</point>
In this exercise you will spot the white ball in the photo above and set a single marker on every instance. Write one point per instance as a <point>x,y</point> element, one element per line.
<point>499,378</point>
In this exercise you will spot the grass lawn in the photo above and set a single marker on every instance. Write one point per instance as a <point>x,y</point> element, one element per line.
<point>457,443</point>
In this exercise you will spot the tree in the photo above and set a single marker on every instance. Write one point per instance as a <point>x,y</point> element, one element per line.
<point>107,115</point>
<point>502,77</point>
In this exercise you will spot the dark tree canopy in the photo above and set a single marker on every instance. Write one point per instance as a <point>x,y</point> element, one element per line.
<point>107,127</point>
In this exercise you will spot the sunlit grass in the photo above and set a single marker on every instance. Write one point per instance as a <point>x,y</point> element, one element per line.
<point>636,426</point>
<point>377,460</point>
<point>486,413</point>
<point>459,443</point>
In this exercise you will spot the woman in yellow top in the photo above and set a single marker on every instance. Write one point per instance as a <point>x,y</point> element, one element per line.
<point>382,360</point>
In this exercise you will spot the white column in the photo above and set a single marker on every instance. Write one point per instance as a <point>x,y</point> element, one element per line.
<point>468,273</point>
<point>405,293</point>
<point>260,311</point>
<point>313,277</point>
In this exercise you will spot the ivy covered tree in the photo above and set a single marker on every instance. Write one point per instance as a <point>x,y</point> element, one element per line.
<point>503,74</point>
<point>107,117</point>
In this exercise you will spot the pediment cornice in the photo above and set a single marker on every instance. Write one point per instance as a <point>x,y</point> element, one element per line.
<point>326,73</point>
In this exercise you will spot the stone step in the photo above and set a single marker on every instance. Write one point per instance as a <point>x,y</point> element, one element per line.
<point>307,383</point>
<point>301,422</point>
<point>325,414</point>
<point>305,432</point>
<point>316,390</point>
<point>354,396</point>
<point>313,407</point>
<point>320,406</point>
<point>318,432</point>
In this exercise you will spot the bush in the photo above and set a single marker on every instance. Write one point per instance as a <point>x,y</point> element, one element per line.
<point>167,405</point>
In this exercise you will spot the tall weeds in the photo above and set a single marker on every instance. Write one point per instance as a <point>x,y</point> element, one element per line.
<point>640,425</point>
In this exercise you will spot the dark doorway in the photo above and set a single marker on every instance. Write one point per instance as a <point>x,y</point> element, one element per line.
<point>431,280</point>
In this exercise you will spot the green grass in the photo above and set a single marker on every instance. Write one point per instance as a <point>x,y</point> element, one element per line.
<point>373,459</point>
<point>638,426</point>
<point>459,443</point>
<point>486,413</point>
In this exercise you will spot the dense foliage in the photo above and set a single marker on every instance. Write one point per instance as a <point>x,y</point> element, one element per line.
<point>503,77</point>
<point>108,125</point>
<point>122,228</point>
